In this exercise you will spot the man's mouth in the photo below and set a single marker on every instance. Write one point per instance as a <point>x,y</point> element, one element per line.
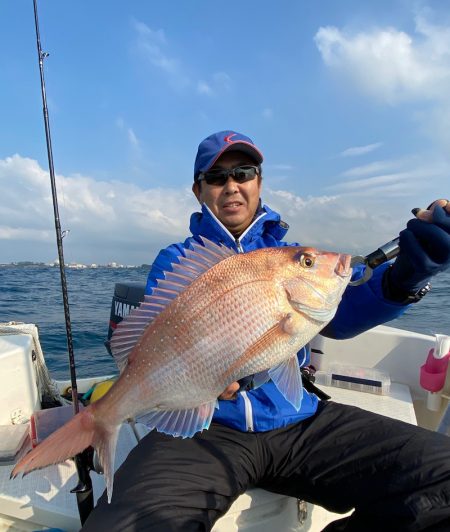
<point>231,205</point>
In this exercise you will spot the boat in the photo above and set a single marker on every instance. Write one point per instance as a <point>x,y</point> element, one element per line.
<point>387,370</point>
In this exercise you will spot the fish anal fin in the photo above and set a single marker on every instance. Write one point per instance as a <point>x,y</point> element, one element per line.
<point>183,423</point>
<point>105,445</point>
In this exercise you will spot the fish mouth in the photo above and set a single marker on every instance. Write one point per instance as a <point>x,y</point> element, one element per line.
<point>343,268</point>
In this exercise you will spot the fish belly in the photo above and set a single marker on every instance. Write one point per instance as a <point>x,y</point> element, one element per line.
<point>186,361</point>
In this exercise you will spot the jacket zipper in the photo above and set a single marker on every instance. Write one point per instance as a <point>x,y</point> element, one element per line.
<point>240,249</point>
<point>248,412</point>
<point>237,241</point>
<point>247,403</point>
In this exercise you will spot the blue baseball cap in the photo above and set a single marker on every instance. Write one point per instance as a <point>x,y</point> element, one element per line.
<point>210,149</point>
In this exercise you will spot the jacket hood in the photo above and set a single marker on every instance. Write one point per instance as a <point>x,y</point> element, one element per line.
<point>266,223</point>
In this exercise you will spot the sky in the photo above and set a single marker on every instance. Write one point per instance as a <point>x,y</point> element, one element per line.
<point>348,100</point>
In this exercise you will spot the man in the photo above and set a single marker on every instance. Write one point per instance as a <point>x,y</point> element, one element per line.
<point>395,475</point>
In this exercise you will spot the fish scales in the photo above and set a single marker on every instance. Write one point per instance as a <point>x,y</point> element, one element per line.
<point>247,313</point>
<point>225,319</point>
<point>229,308</point>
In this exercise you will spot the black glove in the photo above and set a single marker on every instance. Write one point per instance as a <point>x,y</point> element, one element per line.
<point>246,383</point>
<point>424,252</point>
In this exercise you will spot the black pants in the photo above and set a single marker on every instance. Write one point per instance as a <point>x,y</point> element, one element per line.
<point>395,475</point>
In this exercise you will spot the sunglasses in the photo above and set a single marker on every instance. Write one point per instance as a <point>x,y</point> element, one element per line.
<point>240,174</point>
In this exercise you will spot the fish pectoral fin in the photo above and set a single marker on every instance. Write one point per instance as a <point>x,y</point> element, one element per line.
<point>287,328</point>
<point>288,379</point>
<point>184,423</point>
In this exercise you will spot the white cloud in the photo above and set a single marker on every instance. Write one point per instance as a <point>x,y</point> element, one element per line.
<point>14,233</point>
<point>390,64</point>
<point>369,206</point>
<point>277,174</point>
<point>360,150</point>
<point>108,220</point>
<point>136,151</point>
<point>418,177</point>
<point>154,47</point>
<point>132,137</point>
<point>219,83</point>
<point>204,88</point>
<point>373,168</point>
<point>336,222</point>
<point>118,221</point>
<point>400,184</point>
<point>152,44</point>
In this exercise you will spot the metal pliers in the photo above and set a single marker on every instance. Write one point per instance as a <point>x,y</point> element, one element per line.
<point>384,253</point>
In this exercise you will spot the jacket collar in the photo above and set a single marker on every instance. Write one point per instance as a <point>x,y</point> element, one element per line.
<point>266,222</point>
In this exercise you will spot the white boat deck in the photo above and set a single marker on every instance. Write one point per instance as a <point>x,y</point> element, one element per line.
<point>43,499</point>
<point>398,404</point>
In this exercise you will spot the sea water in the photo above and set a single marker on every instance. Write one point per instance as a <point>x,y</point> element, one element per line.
<point>32,294</point>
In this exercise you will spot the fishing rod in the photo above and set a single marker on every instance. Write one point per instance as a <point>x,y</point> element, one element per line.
<point>83,490</point>
<point>383,254</point>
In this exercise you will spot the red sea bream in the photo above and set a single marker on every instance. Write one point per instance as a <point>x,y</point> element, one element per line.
<point>216,318</point>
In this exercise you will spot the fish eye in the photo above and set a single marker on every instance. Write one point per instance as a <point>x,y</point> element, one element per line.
<point>307,261</point>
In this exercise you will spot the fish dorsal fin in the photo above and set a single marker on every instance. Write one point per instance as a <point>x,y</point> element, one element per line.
<point>288,379</point>
<point>196,261</point>
<point>184,423</point>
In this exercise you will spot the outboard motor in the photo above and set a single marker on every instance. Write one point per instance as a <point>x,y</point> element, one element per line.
<point>127,296</point>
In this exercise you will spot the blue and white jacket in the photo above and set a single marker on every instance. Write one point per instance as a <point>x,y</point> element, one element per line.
<point>362,307</point>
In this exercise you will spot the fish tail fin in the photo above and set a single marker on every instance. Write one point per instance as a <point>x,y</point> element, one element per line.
<point>66,442</point>
<point>69,440</point>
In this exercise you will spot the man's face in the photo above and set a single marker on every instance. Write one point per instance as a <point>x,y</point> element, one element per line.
<point>234,204</point>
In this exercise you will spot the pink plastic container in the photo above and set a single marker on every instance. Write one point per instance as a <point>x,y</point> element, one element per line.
<point>434,372</point>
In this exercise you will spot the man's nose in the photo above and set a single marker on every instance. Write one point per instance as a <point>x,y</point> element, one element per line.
<point>231,185</point>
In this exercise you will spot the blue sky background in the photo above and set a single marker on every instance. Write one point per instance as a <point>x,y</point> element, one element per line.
<point>349,102</point>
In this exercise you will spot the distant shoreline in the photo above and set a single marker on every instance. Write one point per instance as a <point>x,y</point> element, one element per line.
<point>72,266</point>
